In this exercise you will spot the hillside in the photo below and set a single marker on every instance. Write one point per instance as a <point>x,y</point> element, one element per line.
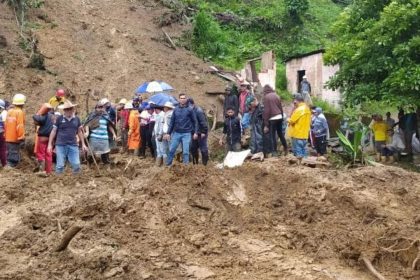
<point>263,220</point>
<point>106,47</point>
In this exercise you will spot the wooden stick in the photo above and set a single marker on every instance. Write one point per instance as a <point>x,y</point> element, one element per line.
<point>168,38</point>
<point>60,229</point>
<point>68,236</point>
<point>214,118</point>
<point>93,155</point>
<point>372,269</point>
<point>128,163</point>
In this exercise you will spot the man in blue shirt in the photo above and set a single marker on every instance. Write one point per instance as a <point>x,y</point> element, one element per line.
<point>64,132</point>
<point>183,124</point>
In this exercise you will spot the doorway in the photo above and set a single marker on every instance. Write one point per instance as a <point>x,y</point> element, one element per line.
<point>300,74</point>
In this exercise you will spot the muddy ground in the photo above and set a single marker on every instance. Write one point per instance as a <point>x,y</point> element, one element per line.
<point>260,221</point>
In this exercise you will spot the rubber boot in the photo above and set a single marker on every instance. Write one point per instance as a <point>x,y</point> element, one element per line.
<point>105,158</point>
<point>205,157</point>
<point>136,152</point>
<point>285,151</point>
<point>383,159</point>
<point>378,157</point>
<point>195,157</point>
<point>391,159</point>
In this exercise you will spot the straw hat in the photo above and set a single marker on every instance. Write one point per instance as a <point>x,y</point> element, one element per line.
<point>128,105</point>
<point>122,101</point>
<point>168,104</point>
<point>67,105</point>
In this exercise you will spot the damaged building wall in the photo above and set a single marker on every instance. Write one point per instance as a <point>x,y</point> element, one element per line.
<point>317,73</point>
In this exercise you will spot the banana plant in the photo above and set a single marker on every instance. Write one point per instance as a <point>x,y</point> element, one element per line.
<point>356,149</point>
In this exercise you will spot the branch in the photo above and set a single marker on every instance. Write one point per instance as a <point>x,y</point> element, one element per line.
<point>372,269</point>
<point>68,236</point>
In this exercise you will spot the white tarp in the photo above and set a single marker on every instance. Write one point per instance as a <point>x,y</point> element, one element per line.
<point>234,159</point>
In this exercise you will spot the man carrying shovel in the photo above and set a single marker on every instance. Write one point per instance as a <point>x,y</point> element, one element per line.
<point>65,131</point>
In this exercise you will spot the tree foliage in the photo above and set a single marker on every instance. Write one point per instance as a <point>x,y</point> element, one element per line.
<point>208,39</point>
<point>296,8</point>
<point>378,50</point>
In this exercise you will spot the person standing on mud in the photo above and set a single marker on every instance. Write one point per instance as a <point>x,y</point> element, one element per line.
<point>64,133</point>
<point>100,130</point>
<point>256,124</point>
<point>145,132</point>
<point>203,130</point>
<point>168,108</point>
<point>15,130</point>
<point>123,115</point>
<point>134,140</point>
<point>45,119</point>
<point>183,124</point>
<point>158,134</point>
<point>273,120</point>
<point>3,116</point>
<point>319,129</point>
<point>299,126</point>
<point>232,131</point>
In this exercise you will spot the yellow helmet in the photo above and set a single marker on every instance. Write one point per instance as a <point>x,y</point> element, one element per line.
<point>19,99</point>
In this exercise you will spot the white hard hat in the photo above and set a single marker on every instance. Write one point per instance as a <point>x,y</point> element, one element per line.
<point>304,77</point>
<point>19,99</point>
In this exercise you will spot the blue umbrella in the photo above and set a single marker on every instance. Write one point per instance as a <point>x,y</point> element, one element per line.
<point>161,98</point>
<point>153,87</point>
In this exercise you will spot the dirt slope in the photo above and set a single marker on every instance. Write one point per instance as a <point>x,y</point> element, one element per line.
<point>261,221</point>
<point>105,46</point>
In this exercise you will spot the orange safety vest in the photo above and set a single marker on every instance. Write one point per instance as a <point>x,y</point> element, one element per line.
<point>134,140</point>
<point>15,125</point>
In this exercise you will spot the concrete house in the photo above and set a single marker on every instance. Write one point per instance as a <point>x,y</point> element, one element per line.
<point>311,64</point>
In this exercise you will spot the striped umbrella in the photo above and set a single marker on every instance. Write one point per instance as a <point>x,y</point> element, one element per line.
<point>153,87</point>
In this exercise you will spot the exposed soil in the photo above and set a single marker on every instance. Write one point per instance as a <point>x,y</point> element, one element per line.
<point>268,220</point>
<point>261,221</point>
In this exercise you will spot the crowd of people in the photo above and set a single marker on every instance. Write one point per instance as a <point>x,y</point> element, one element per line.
<point>161,131</point>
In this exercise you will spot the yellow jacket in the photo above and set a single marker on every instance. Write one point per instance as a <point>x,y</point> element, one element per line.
<point>55,103</point>
<point>380,130</point>
<point>300,122</point>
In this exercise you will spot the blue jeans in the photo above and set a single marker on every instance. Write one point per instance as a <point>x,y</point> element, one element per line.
<point>299,147</point>
<point>64,152</point>
<point>246,119</point>
<point>176,138</point>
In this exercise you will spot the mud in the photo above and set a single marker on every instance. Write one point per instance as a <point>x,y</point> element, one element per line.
<point>261,221</point>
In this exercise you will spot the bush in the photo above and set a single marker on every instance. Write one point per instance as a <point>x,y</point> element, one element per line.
<point>324,105</point>
<point>209,41</point>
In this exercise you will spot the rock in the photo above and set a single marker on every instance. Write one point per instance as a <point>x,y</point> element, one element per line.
<point>114,271</point>
<point>198,239</point>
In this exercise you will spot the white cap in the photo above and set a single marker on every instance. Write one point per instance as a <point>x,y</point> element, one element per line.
<point>168,104</point>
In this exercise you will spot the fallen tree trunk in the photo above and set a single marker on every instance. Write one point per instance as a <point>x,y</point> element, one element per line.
<point>68,236</point>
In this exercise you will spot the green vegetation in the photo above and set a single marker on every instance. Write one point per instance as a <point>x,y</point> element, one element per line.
<point>378,48</point>
<point>229,32</point>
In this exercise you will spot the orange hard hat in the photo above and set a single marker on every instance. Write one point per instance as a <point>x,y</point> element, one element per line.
<point>60,92</point>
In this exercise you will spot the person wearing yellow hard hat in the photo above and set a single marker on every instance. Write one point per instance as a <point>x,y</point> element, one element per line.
<point>58,99</point>
<point>15,130</point>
